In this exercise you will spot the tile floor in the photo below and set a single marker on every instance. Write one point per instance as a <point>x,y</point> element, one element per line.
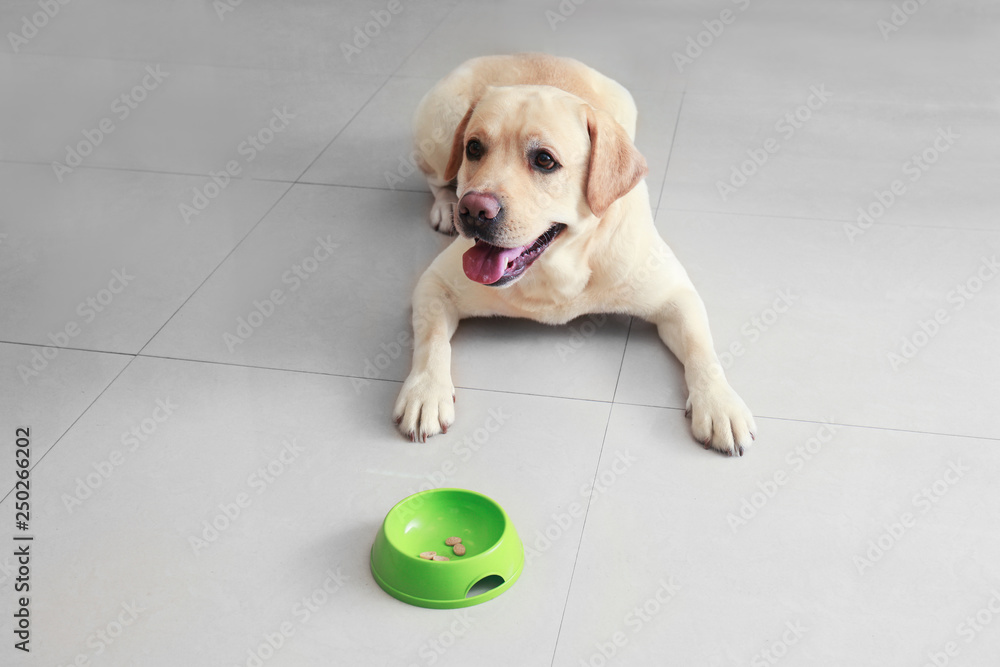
<point>205,323</point>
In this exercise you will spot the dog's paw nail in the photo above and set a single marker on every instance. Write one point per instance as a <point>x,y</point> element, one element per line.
<point>739,450</point>
<point>444,428</point>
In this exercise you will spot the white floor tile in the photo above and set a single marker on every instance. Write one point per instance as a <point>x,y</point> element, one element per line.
<point>823,152</point>
<point>579,360</point>
<point>314,244</point>
<point>932,51</point>
<point>810,326</point>
<point>336,466</point>
<point>713,561</point>
<point>35,376</point>
<point>632,53</point>
<point>376,149</point>
<point>362,37</point>
<point>102,261</point>
<point>176,118</point>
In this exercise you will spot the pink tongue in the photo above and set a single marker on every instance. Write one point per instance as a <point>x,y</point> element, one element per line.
<point>486,264</point>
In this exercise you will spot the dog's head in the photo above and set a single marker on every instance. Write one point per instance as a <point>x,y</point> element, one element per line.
<point>534,164</point>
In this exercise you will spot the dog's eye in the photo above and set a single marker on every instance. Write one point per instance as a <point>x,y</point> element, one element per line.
<point>545,161</point>
<point>474,149</point>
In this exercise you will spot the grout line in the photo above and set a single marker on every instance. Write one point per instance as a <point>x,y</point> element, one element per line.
<point>365,187</point>
<point>583,532</point>
<point>590,499</point>
<point>655,209</point>
<point>232,364</point>
<point>778,216</point>
<point>83,412</point>
<point>349,376</point>
<point>217,267</point>
<point>628,334</point>
<point>612,402</point>
<point>673,143</point>
<point>291,69</point>
<point>421,43</point>
<point>185,174</point>
<point>342,129</point>
<point>71,349</point>
<point>388,77</point>
<point>798,420</point>
<point>140,170</point>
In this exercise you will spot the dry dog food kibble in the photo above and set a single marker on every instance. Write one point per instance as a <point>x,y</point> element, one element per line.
<point>454,542</point>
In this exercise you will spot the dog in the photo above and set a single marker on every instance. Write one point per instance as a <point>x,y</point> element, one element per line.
<point>531,162</point>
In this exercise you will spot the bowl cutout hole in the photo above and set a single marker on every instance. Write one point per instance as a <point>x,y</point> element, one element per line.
<point>484,585</point>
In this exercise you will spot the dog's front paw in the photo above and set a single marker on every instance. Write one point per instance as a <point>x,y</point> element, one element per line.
<point>442,215</point>
<point>720,419</point>
<point>425,407</point>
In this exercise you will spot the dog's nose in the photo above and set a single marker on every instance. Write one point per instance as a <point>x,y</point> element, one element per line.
<point>479,209</point>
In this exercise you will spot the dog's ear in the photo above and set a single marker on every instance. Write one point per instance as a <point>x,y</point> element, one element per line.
<point>616,166</point>
<point>458,146</point>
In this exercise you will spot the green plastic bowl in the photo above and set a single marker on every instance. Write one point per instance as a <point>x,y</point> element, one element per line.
<point>422,522</point>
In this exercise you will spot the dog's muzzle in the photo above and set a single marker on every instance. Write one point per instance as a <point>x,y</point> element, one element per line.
<point>480,215</point>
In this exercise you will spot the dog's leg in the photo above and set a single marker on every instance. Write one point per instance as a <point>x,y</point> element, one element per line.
<point>442,214</point>
<point>719,417</point>
<point>434,123</point>
<point>426,402</point>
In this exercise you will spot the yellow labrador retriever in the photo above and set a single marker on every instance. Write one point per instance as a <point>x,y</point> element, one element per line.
<point>531,160</point>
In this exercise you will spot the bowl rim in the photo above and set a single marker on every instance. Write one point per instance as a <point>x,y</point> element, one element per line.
<point>428,492</point>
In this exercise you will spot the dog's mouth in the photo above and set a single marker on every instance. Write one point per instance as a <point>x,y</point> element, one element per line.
<point>496,266</point>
